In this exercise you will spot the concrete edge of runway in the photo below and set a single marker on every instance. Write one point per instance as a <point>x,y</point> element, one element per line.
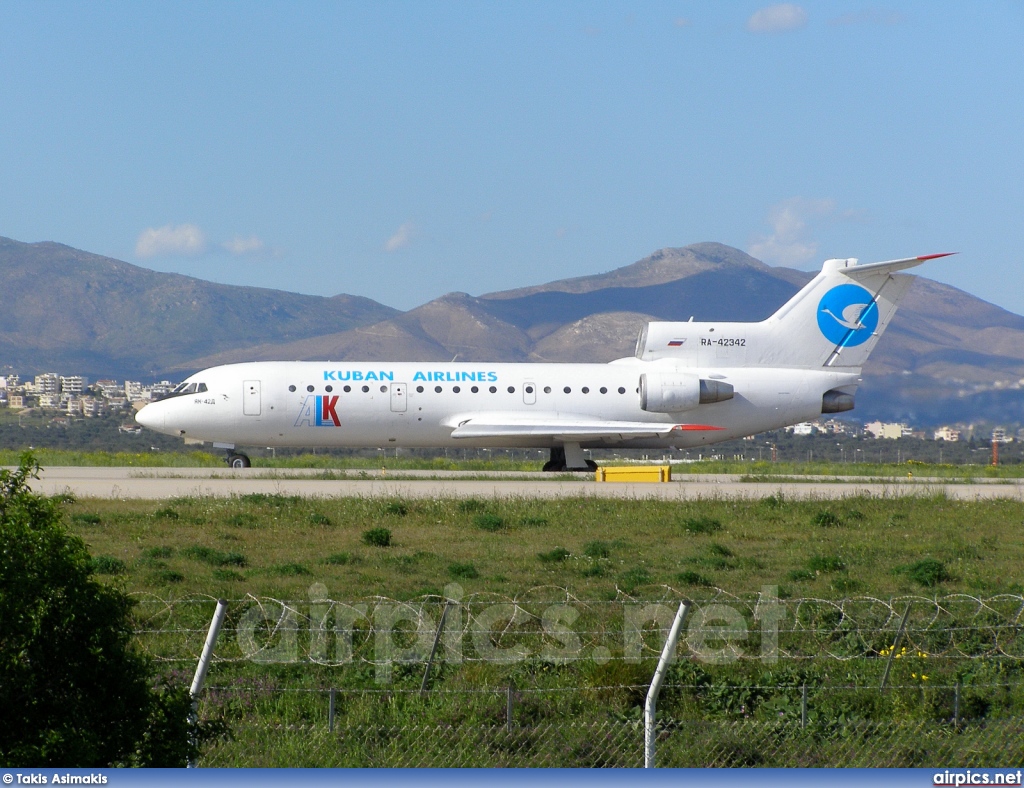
<point>164,483</point>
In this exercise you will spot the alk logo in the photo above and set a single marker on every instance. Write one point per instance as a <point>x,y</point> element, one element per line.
<point>847,315</point>
<point>318,411</point>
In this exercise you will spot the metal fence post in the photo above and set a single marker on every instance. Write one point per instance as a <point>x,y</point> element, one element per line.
<point>650,705</point>
<point>895,646</point>
<point>433,649</point>
<point>204,664</point>
<point>508,706</point>
<point>330,712</point>
<point>803,706</point>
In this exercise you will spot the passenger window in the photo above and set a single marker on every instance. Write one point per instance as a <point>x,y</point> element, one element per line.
<point>547,389</point>
<point>512,389</point>
<point>291,388</point>
<point>383,389</point>
<point>419,389</point>
<point>328,389</point>
<point>621,390</point>
<point>456,389</point>
<point>348,389</point>
<point>437,389</point>
<point>365,389</point>
<point>309,389</point>
<point>604,390</point>
<point>493,389</point>
<point>586,390</point>
<point>474,389</point>
<point>567,390</point>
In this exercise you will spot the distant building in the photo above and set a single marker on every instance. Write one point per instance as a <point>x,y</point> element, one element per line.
<point>49,401</point>
<point>47,384</point>
<point>73,385</point>
<point>73,405</point>
<point>803,428</point>
<point>889,431</point>
<point>16,402</point>
<point>947,434</point>
<point>999,436</point>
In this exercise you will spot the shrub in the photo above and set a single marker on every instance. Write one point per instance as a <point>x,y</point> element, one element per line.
<point>720,550</point>
<point>84,518</point>
<point>534,521</point>
<point>470,505</point>
<point>377,537</point>
<point>633,578</point>
<point>489,522</point>
<point>554,556</point>
<point>396,508</point>
<point>243,520</point>
<point>319,518</point>
<point>167,513</point>
<point>702,525</point>
<point>800,575</point>
<point>227,574</point>
<point>75,692</point>
<point>158,552</point>
<point>597,549</point>
<point>694,579</point>
<point>928,572</point>
<point>107,565</point>
<point>290,570</point>
<point>338,559</point>
<point>209,555</point>
<point>168,576</point>
<point>826,563</point>
<point>463,571</point>
<point>827,519</point>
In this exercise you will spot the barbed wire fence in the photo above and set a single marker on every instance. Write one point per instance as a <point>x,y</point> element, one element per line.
<point>325,682</point>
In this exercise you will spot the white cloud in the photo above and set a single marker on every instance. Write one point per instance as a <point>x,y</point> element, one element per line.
<point>789,242</point>
<point>777,18</point>
<point>183,239</point>
<point>401,239</point>
<point>240,246</point>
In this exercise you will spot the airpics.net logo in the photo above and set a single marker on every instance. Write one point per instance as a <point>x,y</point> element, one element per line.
<point>847,315</point>
<point>318,411</point>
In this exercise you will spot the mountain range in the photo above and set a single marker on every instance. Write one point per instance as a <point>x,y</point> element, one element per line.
<point>947,355</point>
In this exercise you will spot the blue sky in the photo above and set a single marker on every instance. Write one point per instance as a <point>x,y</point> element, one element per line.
<point>404,150</point>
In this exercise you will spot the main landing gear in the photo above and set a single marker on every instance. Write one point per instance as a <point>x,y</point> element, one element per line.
<point>238,460</point>
<point>569,458</point>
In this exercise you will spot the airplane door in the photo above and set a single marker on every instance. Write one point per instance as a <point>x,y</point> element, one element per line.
<point>251,398</point>
<point>398,398</point>
<point>530,393</point>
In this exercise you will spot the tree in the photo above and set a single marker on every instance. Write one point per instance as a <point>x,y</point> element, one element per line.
<point>73,690</point>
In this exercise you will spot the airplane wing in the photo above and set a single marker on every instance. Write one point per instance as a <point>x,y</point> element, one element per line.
<point>567,428</point>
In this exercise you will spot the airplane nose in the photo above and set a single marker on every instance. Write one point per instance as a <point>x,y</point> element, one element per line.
<point>151,416</point>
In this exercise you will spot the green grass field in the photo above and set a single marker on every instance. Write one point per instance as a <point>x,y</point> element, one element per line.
<point>278,546</point>
<point>602,552</point>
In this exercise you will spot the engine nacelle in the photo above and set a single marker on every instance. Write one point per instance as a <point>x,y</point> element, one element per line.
<point>836,401</point>
<point>673,392</point>
<point>669,392</point>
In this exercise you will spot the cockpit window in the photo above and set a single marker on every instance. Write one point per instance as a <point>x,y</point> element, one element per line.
<point>186,388</point>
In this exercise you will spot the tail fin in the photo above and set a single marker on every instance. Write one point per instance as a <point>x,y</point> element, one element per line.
<point>834,321</point>
<point>838,317</point>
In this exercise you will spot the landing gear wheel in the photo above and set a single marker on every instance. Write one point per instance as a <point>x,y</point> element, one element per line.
<point>591,465</point>
<point>557,462</point>
<point>238,461</point>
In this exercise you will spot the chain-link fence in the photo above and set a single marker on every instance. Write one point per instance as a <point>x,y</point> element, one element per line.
<point>621,744</point>
<point>590,727</point>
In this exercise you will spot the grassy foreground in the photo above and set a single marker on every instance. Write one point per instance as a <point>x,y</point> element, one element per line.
<point>585,711</point>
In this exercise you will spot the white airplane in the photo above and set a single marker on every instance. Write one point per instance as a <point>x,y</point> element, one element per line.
<point>689,384</point>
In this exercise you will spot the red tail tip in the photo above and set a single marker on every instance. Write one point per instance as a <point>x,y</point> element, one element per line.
<point>934,256</point>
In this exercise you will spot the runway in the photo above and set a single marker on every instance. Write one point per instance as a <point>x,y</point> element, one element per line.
<point>164,483</point>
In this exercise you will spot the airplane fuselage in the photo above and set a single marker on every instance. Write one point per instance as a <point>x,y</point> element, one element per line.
<point>420,404</point>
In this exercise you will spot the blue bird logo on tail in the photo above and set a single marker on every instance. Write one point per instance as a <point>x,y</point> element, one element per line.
<point>847,315</point>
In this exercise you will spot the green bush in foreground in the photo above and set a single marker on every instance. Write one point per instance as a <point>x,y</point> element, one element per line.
<point>377,537</point>
<point>74,691</point>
